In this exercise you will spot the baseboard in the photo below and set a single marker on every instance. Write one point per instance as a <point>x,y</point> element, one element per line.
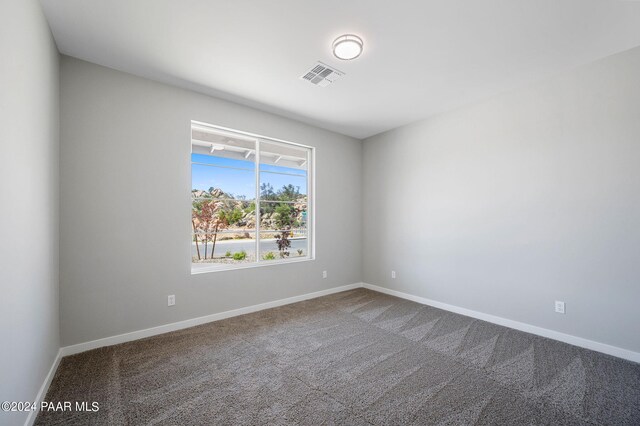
<point>31,418</point>
<point>166,328</point>
<point>140,334</point>
<point>544,332</point>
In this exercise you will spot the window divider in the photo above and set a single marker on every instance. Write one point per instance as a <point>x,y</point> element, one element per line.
<point>257,160</point>
<point>283,173</point>
<point>224,167</point>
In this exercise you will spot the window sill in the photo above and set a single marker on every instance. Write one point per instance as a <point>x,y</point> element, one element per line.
<point>206,268</point>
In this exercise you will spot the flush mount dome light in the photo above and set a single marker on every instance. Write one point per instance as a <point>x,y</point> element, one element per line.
<point>347,47</point>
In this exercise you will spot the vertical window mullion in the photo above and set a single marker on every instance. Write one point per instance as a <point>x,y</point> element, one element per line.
<point>257,169</point>
<point>310,211</point>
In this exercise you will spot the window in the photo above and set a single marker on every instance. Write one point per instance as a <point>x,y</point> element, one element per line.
<point>251,200</point>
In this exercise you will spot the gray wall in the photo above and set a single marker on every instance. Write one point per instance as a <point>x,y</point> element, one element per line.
<point>29,151</point>
<point>125,206</point>
<point>529,197</point>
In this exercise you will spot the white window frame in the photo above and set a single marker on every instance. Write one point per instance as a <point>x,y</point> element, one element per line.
<point>311,223</point>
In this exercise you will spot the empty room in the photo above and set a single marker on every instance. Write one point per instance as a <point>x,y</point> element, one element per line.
<point>320,213</point>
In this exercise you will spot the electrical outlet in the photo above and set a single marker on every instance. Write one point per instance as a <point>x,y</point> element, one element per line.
<point>171,300</point>
<point>559,307</point>
<point>324,274</point>
<point>393,274</point>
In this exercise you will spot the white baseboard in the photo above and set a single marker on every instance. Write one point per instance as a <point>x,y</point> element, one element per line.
<point>528,328</point>
<point>31,418</point>
<point>140,334</point>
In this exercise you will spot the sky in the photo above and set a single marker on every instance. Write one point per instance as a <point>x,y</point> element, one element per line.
<point>241,182</point>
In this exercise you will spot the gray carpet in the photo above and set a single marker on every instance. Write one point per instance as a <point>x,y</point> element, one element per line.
<point>355,358</point>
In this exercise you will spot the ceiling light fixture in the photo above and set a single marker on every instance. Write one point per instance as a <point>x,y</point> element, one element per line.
<point>347,47</point>
<point>216,148</point>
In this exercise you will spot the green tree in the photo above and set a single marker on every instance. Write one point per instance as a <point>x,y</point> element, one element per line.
<point>289,193</point>
<point>284,216</point>
<point>266,192</point>
<point>231,216</point>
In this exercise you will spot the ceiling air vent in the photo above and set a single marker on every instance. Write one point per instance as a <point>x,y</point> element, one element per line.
<point>322,75</point>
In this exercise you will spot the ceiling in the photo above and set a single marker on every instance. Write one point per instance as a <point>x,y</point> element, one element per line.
<point>420,57</point>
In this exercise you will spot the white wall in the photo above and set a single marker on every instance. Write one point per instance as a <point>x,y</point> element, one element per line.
<point>29,211</point>
<point>529,197</point>
<point>125,179</point>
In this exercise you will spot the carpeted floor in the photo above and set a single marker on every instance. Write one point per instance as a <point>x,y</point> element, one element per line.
<point>355,358</point>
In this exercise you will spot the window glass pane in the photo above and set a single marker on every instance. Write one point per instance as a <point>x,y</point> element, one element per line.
<point>279,216</point>
<point>212,147</point>
<point>283,185</point>
<point>208,214</point>
<point>223,165</point>
<point>274,247</point>
<point>222,228</point>
<point>223,162</point>
<point>283,202</point>
<point>223,247</point>
<point>219,182</point>
<point>278,157</point>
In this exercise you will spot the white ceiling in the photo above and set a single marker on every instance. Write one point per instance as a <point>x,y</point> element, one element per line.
<point>421,57</point>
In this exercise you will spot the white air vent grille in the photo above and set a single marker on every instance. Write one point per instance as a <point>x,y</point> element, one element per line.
<point>322,75</point>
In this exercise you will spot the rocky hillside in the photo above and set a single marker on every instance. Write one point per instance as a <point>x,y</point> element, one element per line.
<point>240,214</point>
